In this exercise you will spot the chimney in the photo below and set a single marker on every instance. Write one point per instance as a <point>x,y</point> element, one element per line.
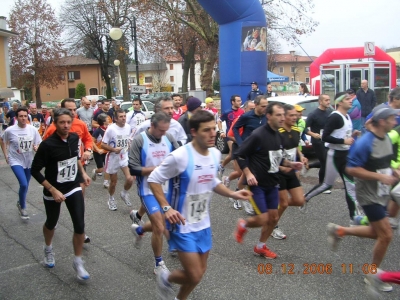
<point>3,23</point>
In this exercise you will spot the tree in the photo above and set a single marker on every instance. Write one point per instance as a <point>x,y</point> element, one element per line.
<point>80,91</point>
<point>273,48</point>
<point>36,51</point>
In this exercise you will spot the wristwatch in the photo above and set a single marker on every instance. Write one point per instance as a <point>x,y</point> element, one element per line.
<point>89,150</point>
<point>166,208</point>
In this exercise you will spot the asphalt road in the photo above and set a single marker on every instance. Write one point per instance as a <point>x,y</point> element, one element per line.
<point>119,271</point>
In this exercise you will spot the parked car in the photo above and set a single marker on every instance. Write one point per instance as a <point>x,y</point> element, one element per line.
<point>96,97</point>
<point>78,103</point>
<point>398,82</point>
<point>147,108</point>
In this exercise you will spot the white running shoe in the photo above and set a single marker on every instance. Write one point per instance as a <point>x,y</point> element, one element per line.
<point>134,218</point>
<point>278,234</point>
<point>333,238</point>
<point>226,181</point>
<point>22,211</point>
<point>221,171</point>
<point>327,192</point>
<point>126,198</point>
<point>112,204</point>
<point>49,260</point>
<point>237,204</point>
<point>139,237</point>
<point>106,184</point>
<point>165,290</point>
<point>248,208</point>
<point>393,222</point>
<point>303,208</point>
<point>81,273</point>
<point>94,175</point>
<point>161,266</point>
<point>374,284</point>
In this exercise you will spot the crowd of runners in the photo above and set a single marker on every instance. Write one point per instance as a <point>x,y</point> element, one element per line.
<point>173,161</point>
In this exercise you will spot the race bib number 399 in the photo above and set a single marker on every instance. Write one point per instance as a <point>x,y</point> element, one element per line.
<point>197,207</point>
<point>25,144</point>
<point>67,170</point>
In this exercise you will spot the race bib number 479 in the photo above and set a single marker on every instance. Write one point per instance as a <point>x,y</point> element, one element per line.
<point>67,170</point>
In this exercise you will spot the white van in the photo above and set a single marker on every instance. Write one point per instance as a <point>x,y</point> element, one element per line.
<point>96,97</point>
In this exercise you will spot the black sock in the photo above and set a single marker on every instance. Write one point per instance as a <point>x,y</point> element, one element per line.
<point>138,216</point>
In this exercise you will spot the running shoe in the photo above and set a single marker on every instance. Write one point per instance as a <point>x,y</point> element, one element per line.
<point>278,234</point>
<point>49,260</point>
<point>126,198</point>
<point>165,291</point>
<point>240,231</point>
<point>303,208</point>
<point>333,237</point>
<point>264,252</point>
<point>327,192</point>
<point>226,181</point>
<point>374,284</point>
<point>139,237</point>
<point>94,175</point>
<point>393,222</point>
<point>87,239</point>
<point>221,171</point>
<point>134,218</point>
<point>236,204</point>
<point>161,266</point>
<point>81,273</point>
<point>22,211</point>
<point>106,184</point>
<point>112,204</point>
<point>248,208</point>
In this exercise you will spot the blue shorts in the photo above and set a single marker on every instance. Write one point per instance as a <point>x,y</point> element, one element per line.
<point>264,198</point>
<point>375,212</point>
<point>151,204</point>
<point>196,242</point>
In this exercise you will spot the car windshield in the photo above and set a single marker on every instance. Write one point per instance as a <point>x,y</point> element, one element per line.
<point>309,107</point>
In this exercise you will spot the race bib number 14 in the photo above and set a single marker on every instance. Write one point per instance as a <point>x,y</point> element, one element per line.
<point>197,207</point>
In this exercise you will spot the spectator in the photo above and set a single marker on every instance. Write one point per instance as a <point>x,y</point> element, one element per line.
<point>255,91</point>
<point>367,99</point>
<point>355,110</point>
<point>303,90</point>
<point>270,93</point>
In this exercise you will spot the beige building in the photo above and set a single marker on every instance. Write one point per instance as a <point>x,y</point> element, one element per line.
<point>79,69</point>
<point>5,74</point>
<point>395,54</point>
<point>294,66</point>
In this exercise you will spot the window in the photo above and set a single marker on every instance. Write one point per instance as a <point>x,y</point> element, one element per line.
<point>132,79</point>
<point>171,78</point>
<point>171,66</point>
<point>292,69</point>
<point>381,77</point>
<point>307,80</point>
<point>307,69</point>
<point>281,70</point>
<point>292,79</point>
<point>71,93</point>
<point>72,75</point>
<point>148,79</point>
<point>93,91</point>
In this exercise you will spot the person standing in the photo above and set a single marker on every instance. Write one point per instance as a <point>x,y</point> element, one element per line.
<point>59,155</point>
<point>369,162</point>
<point>303,90</point>
<point>85,113</point>
<point>259,157</point>
<point>316,121</point>
<point>18,144</point>
<point>355,110</point>
<point>147,151</point>
<point>255,91</point>
<point>270,93</point>
<point>194,169</point>
<point>367,99</point>
<point>116,142</point>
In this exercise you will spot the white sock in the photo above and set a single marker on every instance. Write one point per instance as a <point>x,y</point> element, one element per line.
<point>111,197</point>
<point>48,248</point>
<point>260,245</point>
<point>124,192</point>
<point>78,259</point>
<point>105,181</point>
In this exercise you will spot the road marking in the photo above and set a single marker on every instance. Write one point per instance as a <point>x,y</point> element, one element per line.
<point>18,268</point>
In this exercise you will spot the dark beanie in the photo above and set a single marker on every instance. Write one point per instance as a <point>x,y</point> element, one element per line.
<point>193,103</point>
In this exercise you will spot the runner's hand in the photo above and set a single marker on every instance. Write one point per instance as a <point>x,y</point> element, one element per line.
<point>100,151</point>
<point>295,165</point>
<point>388,179</point>
<point>174,217</point>
<point>86,155</point>
<point>251,180</point>
<point>242,194</point>
<point>285,169</point>
<point>57,195</point>
<point>86,179</point>
<point>117,150</point>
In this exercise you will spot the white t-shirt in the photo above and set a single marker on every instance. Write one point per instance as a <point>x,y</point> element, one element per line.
<point>135,119</point>
<point>175,129</point>
<point>21,142</point>
<point>116,136</point>
<point>194,177</point>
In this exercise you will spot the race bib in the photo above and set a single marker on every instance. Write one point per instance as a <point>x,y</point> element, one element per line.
<point>25,144</point>
<point>122,142</point>
<point>67,170</point>
<point>384,189</point>
<point>275,158</point>
<point>290,154</point>
<point>348,134</point>
<point>139,120</point>
<point>197,207</point>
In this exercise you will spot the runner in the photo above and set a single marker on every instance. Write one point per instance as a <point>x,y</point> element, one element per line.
<point>177,102</point>
<point>36,119</point>
<point>369,162</point>
<point>259,157</point>
<point>59,155</point>
<point>228,117</point>
<point>85,113</point>
<point>116,141</point>
<point>288,181</point>
<point>99,153</point>
<point>194,167</point>
<point>18,143</point>
<point>135,117</point>
<point>339,135</point>
<point>105,108</point>
<point>147,151</point>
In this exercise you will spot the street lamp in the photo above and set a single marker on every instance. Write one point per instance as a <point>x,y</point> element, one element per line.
<point>116,34</point>
<point>117,85</point>
<point>294,59</point>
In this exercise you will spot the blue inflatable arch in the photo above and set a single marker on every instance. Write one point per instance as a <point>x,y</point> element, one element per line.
<point>242,46</point>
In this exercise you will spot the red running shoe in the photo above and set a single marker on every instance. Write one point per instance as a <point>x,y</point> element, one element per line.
<point>240,231</point>
<point>264,252</point>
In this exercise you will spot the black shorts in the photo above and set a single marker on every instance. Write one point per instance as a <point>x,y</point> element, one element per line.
<point>374,212</point>
<point>288,181</point>
<point>100,159</point>
<point>235,147</point>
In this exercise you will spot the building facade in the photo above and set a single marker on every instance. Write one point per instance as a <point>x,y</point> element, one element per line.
<point>395,54</point>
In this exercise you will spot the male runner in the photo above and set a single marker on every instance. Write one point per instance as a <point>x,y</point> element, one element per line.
<point>116,141</point>
<point>194,169</point>
<point>105,108</point>
<point>135,117</point>
<point>59,155</point>
<point>259,157</point>
<point>177,102</point>
<point>147,151</point>
<point>36,119</point>
<point>85,113</point>
<point>18,143</point>
<point>369,162</point>
<point>99,154</point>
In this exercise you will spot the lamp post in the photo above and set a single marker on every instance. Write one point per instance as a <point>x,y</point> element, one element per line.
<point>294,59</point>
<point>116,34</point>
<point>117,63</point>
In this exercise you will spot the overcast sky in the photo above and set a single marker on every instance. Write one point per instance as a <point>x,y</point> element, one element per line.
<point>342,23</point>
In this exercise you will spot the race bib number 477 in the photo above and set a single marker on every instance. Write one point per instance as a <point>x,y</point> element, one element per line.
<point>25,144</point>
